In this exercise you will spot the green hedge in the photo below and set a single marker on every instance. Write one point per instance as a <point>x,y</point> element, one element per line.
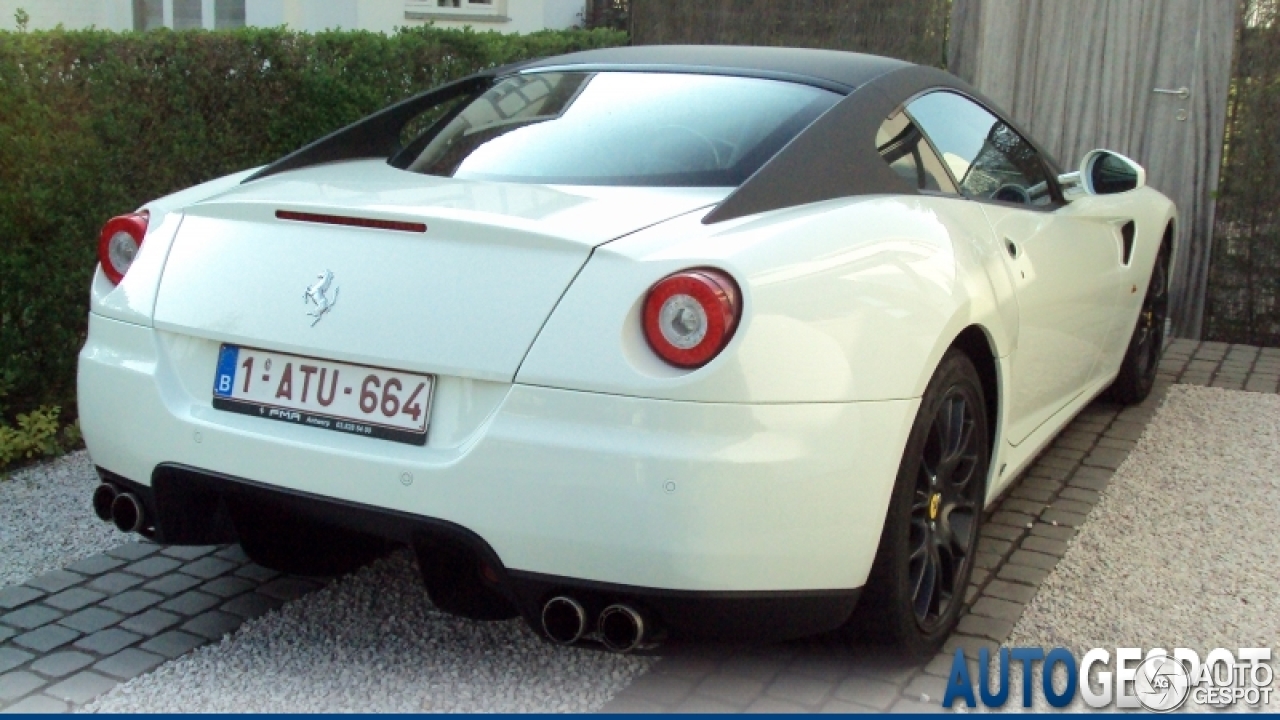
<point>93,124</point>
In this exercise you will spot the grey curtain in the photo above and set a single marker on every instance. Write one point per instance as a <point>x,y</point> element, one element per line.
<point>1083,74</point>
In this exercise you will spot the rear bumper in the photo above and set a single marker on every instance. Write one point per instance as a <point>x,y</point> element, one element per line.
<point>560,486</point>
<point>189,506</point>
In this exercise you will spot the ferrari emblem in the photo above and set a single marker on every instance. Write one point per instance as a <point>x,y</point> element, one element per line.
<point>317,294</point>
<point>934,502</point>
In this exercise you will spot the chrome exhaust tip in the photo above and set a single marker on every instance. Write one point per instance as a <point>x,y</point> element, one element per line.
<point>564,620</point>
<point>103,496</point>
<point>621,628</point>
<point>127,512</point>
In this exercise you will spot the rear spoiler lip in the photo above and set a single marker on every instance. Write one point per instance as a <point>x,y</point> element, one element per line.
<point>378,135</point>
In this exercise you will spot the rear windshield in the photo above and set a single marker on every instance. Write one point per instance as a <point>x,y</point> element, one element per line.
<point>618,128</point>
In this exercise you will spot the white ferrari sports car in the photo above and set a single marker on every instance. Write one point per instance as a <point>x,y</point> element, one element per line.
<point>638,344</point>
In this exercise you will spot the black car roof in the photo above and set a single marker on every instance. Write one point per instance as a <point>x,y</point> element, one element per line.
<point>833,157</point>
<point>838,71</point>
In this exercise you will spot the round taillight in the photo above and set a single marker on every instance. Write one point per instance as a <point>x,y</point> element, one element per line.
<point>689,317</point>
<point>118,243</point>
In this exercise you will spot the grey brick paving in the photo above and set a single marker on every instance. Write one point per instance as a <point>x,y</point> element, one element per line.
<point>869,692</point>
<point>13,596</point>
<point>256,573</point>
<point>173,643</point>
<point>108,641</point>
<point>234,553</point>
<point>37,705</point>
<point>91,619</point>
<point>191,603</point>
<point>11,658</point>
<point>151,622</point>
<point>153,566</point>
<point>132,601</point>
<point>189,552</point>
<point>208,568</point>
<point>985,627</point>
<point>172,584</point>
<point>81,687</point>
<point>31,616</point>
<point>1062,517</point>
<point>114,582</point>
<point>55,581</point>
<point>14,685</point>
<point>44,639</point>
<point>1049,546</point>
<point>227,587</point>
<point>115,615</point>
<point>61,663</point>
<point>134,550</point>
<point>996,608</point>
<point>95,564</point>
<point>128,663</point>
<point>74,598</point>
<point>213,624</point>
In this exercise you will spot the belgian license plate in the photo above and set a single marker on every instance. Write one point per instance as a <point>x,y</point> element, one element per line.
<point>369,401</point>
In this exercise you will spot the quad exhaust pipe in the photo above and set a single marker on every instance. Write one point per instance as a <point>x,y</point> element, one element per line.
<point>124,509</point>
<point>619,628</point>
<point>103,496</point>
<point>564,620</point>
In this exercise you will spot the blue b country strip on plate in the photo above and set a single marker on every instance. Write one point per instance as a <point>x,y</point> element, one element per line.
<point>325,394</point>
<point>226,374</point>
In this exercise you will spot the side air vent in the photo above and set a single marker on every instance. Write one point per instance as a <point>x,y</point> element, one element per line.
<point>1127,235</point>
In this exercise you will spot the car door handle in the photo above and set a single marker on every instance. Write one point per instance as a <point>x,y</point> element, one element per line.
<point>1182,92</point>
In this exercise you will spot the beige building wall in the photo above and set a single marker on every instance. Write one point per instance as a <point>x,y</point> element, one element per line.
<point>72,14</point>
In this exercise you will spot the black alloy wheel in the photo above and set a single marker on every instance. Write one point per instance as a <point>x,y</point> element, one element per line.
<point>917,583</point>
<point>1149,335</point>
<point>944,509</point>
<point>1138,368</point>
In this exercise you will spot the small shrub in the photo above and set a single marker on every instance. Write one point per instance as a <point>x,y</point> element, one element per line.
<point>35,436</point>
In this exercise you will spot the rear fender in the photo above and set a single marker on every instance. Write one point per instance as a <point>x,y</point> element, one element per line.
<point>847,300</point>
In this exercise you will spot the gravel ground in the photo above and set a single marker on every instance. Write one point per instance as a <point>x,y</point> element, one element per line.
<point>63,530</point>
<point>371,642</point>
<point>1182,550</point>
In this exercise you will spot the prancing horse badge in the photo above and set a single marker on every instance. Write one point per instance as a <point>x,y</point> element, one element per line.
<point>317,294</point>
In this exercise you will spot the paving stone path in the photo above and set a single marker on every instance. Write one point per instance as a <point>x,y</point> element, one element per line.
<point>72,634</point>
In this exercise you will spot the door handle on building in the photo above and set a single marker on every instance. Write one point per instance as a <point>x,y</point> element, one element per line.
<point>1182,92</point>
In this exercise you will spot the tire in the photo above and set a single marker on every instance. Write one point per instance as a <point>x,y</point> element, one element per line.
<point>917,583</point>
<point>1142,359</point>
<point>284,542</point>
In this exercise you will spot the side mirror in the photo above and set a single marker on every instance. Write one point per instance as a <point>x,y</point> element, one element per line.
<point>1103,172</point>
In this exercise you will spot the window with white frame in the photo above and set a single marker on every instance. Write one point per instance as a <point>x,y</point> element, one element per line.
<point>188,14</point>
<point>482,10</point>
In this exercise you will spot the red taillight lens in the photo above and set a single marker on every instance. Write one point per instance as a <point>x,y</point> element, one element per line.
<point>119,242</point>
<point>690,316</point>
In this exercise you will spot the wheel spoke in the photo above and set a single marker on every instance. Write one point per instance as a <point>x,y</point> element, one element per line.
<point>944,508</point>
<point>926,586</point>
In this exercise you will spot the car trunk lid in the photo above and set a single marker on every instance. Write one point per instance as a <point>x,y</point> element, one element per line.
<point>450,277</point>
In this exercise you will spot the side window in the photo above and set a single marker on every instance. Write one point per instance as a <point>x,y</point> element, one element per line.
<point>902,146</point>
<point>985,155</point>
